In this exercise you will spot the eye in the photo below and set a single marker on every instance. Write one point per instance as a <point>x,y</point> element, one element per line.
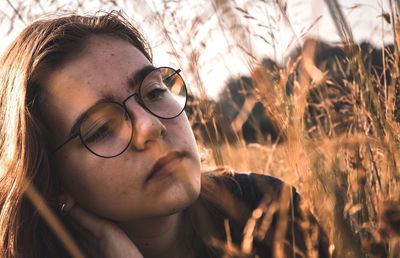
<point>155,94</point>
<point>154,90</point>
<point>98,134</point>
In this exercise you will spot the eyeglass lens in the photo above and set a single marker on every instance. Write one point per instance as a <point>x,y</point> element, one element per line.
<point>107,129</point>
<point>163,92</point>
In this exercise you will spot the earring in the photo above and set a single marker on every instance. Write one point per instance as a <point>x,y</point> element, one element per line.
<point>62,206</point>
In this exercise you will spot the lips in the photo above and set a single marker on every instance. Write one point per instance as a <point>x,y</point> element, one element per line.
<point>161,167</point>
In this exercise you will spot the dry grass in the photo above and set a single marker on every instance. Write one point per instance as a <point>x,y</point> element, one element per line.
<point>349,178</point>
<point>348,173</point>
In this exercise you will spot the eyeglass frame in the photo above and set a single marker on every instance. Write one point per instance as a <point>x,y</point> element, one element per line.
<point>140,101</point>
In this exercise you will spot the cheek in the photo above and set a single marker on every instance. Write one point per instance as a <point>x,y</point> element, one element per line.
<point>181,130</point>
<point>78,176</point>
<point>96,184</point>
<point>182,136</point>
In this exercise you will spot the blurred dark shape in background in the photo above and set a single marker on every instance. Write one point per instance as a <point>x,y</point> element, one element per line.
<point>247,111</point>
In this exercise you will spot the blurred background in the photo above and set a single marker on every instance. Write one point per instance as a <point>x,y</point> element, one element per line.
<point>222,39</point>
<point>307,91</point>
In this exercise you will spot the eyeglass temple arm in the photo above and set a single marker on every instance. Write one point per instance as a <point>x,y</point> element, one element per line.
<point>69,139</point>
<point>176,72</point>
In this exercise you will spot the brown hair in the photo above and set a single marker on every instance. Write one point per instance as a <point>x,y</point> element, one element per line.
<point>42,47</point>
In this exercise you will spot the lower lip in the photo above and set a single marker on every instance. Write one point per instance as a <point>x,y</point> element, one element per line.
<point>167,169</point>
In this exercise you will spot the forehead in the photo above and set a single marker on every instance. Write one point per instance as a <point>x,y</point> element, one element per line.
<point>102,69</point>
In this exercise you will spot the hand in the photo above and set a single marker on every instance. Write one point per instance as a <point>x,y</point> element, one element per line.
<point>113,242</point>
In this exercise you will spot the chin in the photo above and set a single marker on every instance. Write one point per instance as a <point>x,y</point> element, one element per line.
<point>182,200</point>
<point>180,206</point>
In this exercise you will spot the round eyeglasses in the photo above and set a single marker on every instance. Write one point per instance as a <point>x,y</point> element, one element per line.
<point>106,129</point>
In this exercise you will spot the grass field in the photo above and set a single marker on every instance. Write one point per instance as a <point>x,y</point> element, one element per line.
<point>345,165</point>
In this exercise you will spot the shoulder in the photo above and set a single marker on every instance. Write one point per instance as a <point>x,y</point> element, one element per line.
<point>256,186</point>
<point>251,188</point>
<point>246,179</point>
<point>277,203</point>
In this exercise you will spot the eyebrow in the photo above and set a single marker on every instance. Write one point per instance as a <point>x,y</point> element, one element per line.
<point>137,77</point>
<point>133,81</point>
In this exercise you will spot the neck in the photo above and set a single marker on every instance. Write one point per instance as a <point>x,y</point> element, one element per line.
<point>167,236</point>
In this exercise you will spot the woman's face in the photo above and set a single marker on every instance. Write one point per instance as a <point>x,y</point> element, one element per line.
<point>119,188</point>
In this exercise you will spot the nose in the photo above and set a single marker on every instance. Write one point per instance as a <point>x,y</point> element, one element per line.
<point>147,128</point>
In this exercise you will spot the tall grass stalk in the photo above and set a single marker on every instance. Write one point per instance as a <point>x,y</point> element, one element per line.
<point>349,177</point>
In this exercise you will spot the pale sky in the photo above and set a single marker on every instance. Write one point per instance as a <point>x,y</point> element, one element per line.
<point>209,41</point>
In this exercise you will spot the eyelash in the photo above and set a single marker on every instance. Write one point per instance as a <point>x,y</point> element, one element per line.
<point>158,91</point>
<point>99,134</point>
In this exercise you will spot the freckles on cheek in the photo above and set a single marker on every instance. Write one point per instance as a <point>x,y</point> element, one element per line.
<point>120,179</point>
<point>186,133</point>
<point>180,125</point>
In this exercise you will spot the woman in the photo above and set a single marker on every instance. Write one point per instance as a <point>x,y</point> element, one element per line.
<point>101,134</point>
